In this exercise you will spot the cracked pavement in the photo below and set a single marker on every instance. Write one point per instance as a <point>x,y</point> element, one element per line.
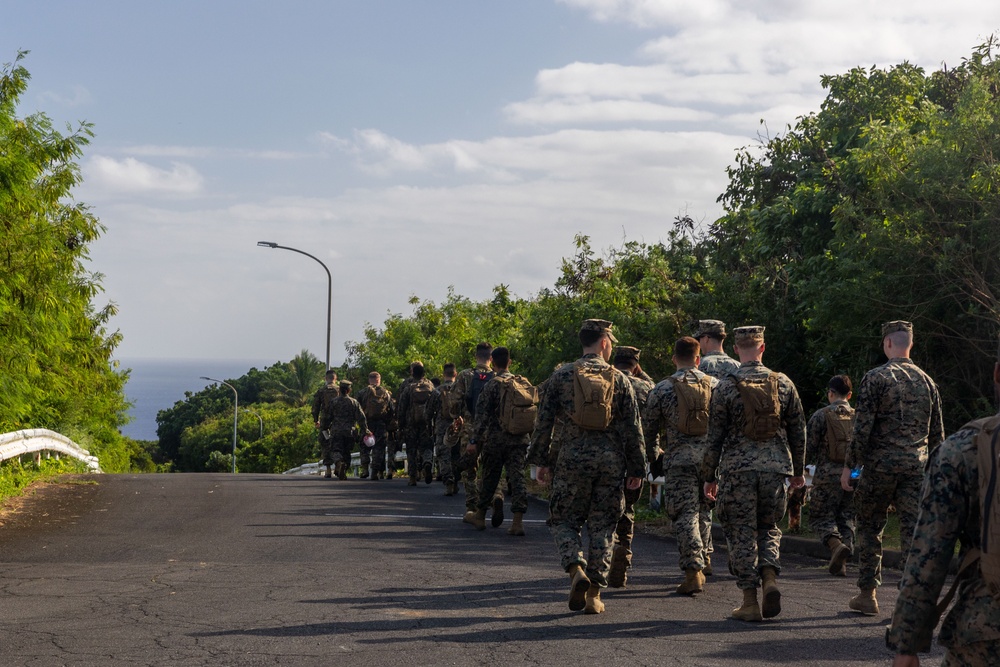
<point>215,569</point>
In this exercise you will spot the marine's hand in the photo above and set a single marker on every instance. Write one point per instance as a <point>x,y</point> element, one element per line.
<point>633,483</point>
<point>797,482</point>
<point>458,423</point>
<point>845,482</point>
<point>543,475</point>
<point>711,489</point>
<point>317,424</point>
<point>905,661</point>
<point>470,449</point>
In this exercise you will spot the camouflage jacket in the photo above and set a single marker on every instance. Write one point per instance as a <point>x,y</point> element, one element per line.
<point>323,394</point>
<point>433,414</point>
<point>817,449</point>
<point>403,407</point>
<point>729,450</point>
<point>486,429</point>
<point>717,364</point>
<point>659,424</point>
<point>341,414</point>
<point>641,384</point>
<point>457,400</point>
<point>898,419</point>
<point>624,434</point>
<point>949,512</point>
<point>365,394</point>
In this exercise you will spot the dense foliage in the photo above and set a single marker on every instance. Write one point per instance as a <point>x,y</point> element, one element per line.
<point>56,370</point>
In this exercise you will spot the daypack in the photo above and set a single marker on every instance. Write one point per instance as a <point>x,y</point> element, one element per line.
<point>761,408</point>
<point>444,391</point>
<point>420,393</point>
<point>593,390</point>
<point>518,404</point>
<point>988,553</point>
<point>839,432</point>
<point>476,384</point>
<point>693,397</point>
<point>376,403</point>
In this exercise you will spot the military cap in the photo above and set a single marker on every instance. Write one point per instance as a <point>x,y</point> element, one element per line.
<point>345,384</point>
<point>626,353</point>
<point>602,326</point>
<point>748,334</point>
<point>896,325</point>
<point>710,327</point>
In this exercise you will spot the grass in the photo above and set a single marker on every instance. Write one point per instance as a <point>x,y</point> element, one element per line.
<point>16,475</point>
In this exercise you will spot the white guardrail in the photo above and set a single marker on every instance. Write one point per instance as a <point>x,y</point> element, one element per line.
<point>37,440</point>
<point>318,469</point>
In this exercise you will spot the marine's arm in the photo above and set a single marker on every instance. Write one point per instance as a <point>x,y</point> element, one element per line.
<point>795,430</point>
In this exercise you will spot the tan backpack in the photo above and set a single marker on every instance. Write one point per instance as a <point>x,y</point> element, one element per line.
<point>761,407</point>
<point>376,403</point>
<point>593,390</point>
<point>839,432</point>
<point>420,393</point>
<point>518,404</point>
<point>693,397</point>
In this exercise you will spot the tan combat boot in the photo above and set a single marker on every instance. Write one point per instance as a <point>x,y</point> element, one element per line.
<point>469,516</point>
<point>771,605</point>
<point>707,570</point>
<point>839,553</point>
<point>479,520</point>
<point>578,588</point>
<point>865,602</point>
<point>618,575</point>
<point>750,611</point>
<point>694,582</point>
<point>593,603</point>
<point>517,524</point>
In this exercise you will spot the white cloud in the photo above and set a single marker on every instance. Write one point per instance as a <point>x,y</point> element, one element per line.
<point>134,177</point>
<point>205,152</point>
<point>77,97</point>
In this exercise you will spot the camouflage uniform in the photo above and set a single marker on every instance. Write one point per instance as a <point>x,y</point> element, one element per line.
<point>831,510</point>
<point>445,441</point>
<point>897,421</point>
<point>590,469</point>
<point>499,449</point>
<point>682,458</point>
<point>752,496</point>
<point>469,463</point>
<point>416,433</point>
<point>323,394</point>
<point>625,529</point>
<point>949,511</point>
<point>340,415</point>
<point>717,364</point>
<point>379,426</point>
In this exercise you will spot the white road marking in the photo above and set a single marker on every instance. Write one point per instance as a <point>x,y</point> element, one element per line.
<point>415,516</point>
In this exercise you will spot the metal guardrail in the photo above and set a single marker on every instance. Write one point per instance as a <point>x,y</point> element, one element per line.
<point>317,469</point>
<point>37,440</point>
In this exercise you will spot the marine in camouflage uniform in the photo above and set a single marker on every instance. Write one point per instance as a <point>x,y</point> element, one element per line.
<point>328,391</point>
<point>831,508</point>
<point>446,438</point>
<point>751,491</point>
<point>897,422</point>
<point>416,431</point>
<point>588,476</point>
<point>683,455</point>
<point>499,449</point>
<point>340,416</point>
<point>469,456</point>
<point>949,511</point>
<point>378,421</point>
<point>711,335</point>
<point>626,359</point>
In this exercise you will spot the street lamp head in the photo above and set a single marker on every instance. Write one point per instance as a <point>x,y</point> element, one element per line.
<point>267,244</point>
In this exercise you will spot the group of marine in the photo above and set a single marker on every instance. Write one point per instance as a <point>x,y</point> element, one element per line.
<point>723,433</point>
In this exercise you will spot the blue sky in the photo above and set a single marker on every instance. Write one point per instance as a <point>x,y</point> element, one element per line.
<point>415,145</point>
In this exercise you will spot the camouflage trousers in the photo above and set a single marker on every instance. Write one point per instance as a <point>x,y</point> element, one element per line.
<point>374,457</point>
<point>496,457</point>
<point>831,511</point>
<point>446,451</point>
<point>325,449</point>
<point>978,654</point>
<point>684,506</point>
<point>625,529</point>
<point>876,491</point>
<point>342,445</point>
<point>419,449</point>
<point>750,506</point>
<point>587,489</point>
<point>471,473</point>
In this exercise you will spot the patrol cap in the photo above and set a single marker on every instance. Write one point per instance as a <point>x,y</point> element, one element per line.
<point>748,334</point>
<point>602,326</point>
<point>710,327</point>
<point>345,384</point>
<point>626,353</point>
<point>896,325</point>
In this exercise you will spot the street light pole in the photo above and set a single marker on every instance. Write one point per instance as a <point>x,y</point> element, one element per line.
<point>236,413</point>
<point>329,290</point>
<point>261,419</point>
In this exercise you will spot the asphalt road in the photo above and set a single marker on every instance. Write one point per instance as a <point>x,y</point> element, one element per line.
<point>188,569</point>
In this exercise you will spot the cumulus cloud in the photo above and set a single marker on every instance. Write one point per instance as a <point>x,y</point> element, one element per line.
<point>131,176</point>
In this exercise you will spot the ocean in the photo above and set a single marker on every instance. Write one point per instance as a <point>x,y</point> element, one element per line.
<point>156,384</point>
